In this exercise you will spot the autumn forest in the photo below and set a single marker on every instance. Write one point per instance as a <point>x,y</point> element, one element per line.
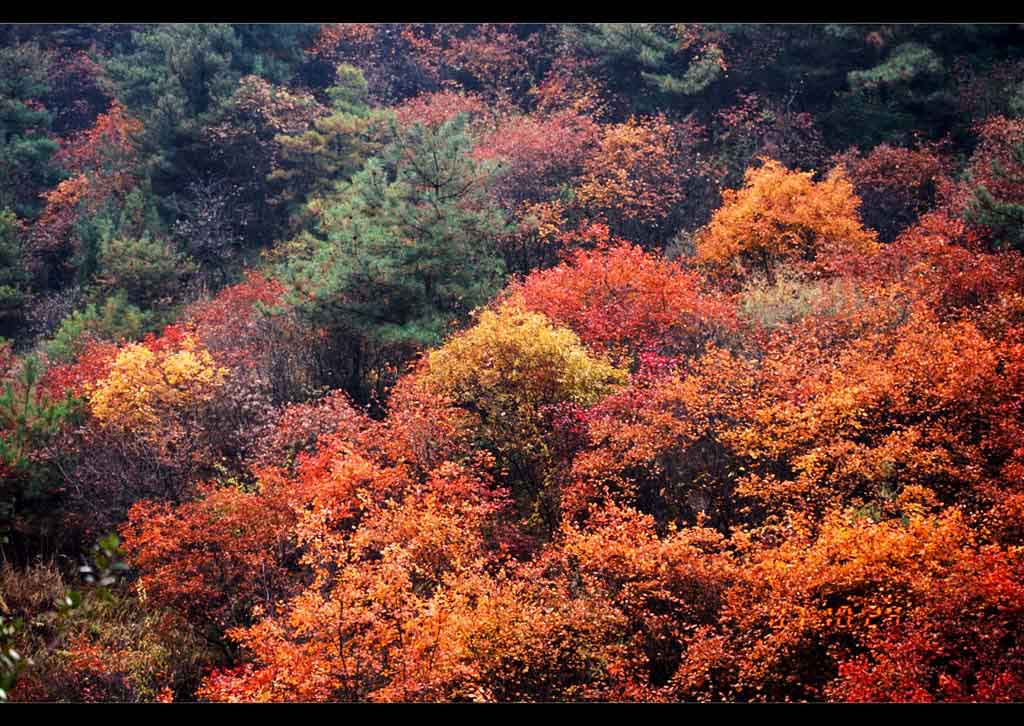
<point>511,362</point>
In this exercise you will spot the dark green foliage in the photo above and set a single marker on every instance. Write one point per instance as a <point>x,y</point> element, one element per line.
<point>133,217</point>
<point>1004,218</point>
<point>407,248</point>
<point>14,277</point>
<point>241,153</point>
<point>107,562</point>
<point>350,92</point>
<point>902,85</point>
<point>176,79</point>
<point>148,271</point>
<point>29,419</point>
<point>644,62</point>
<point>175,76</point>
<point>28,415</point>
<point>25,148</point>
<point>907,64</point>
<point>116,319</point>
<point>312,162</point>
<point>275,51</point>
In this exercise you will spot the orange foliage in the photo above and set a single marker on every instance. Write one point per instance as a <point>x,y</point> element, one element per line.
<point>608,487</point>
<point>963,643</point>
<point>919,407</point>
<point>382,549</point>
<point>660,445</point>
<point>804,606</point>
<point>784,216</point>
<point>632,181</point>
<point>217,558</point>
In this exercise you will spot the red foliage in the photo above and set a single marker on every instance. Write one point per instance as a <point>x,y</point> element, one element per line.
<point>964,643</point>
<point>251,328</point>
<point>983,94</point>
<point>102,161</point>
<point>227,322</point>
<point>825,502</point>
<point>489,57</point>
<point>92,365</point>
<point>400,61</point>
<point>217,558</point>
<point>997,137</point>
<point>662,445</point>
<point>757,126</point>
<point>300,427</point>
<point>539,153</point>
<point>895,185</point>
<point>940,261</point>
<point>624,301</point>
<point>433,109</point>
<point>539,157</point>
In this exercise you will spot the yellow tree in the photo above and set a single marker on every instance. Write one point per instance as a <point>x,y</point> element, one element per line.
<point>509,370</point>
<point>149,384</point>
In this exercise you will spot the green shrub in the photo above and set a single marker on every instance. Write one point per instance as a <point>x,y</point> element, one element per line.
<point>148,271</point>
<point>114,320</point>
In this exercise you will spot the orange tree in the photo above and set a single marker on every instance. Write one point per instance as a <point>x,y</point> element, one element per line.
<point>781,216</point>
<point>812,613</point>
<point>918,404</point>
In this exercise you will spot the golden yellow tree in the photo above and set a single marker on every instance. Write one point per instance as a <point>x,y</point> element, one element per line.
<point>148,383</point>
<point>510,370</point>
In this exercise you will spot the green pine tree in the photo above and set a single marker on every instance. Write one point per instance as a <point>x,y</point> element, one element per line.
<point>1003,218</point>
<point>406,248</point>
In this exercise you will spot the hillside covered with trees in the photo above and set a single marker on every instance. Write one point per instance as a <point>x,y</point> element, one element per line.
<point>494,362</point>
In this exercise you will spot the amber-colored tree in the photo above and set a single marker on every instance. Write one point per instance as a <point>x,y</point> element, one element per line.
<point>781,216</point>
<point>216,559</point>
<point>383,549</point>
<point>638,177</point>
<point>145,385</point>
<point>918,405</point>
<point>661,445</point>
<point>803,607</point>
